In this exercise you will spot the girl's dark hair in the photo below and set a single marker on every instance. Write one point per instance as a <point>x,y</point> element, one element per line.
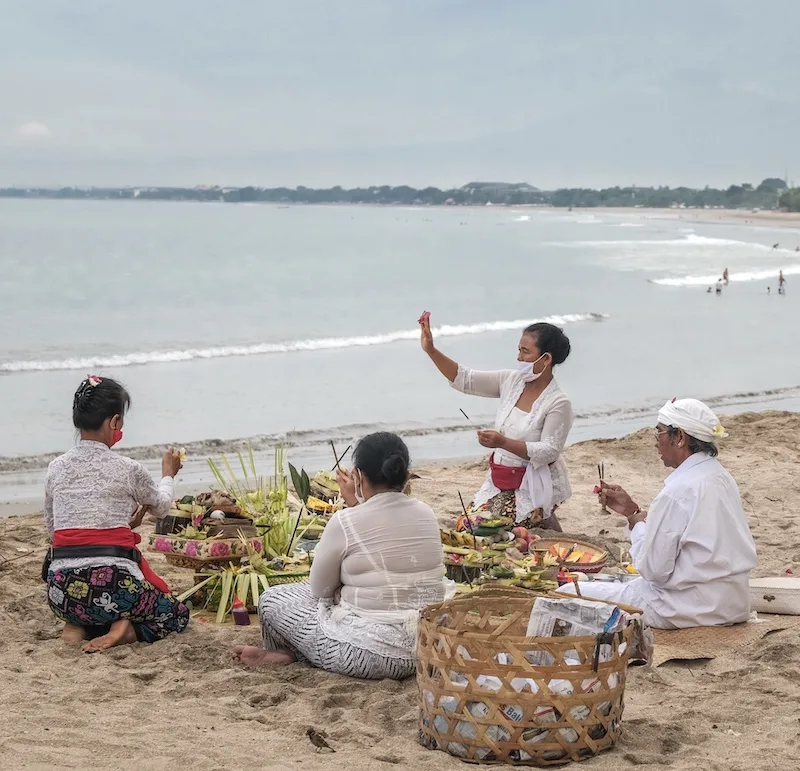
<point>550,339</point>
<point>96,400</point>
<point>383,459</point>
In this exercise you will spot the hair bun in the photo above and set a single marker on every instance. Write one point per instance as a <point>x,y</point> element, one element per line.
<point>395,469</point>
<point>83,393</point>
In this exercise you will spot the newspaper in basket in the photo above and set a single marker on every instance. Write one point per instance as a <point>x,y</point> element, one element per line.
<point>490,693</point>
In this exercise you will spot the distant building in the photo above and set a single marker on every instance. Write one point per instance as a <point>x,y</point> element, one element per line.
<point>499,188</point>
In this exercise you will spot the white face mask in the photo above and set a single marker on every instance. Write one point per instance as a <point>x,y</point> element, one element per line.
<point>525,368</point>
<point>359,493</point>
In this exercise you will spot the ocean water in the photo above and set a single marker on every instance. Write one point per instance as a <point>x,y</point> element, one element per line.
<point>233,321</point>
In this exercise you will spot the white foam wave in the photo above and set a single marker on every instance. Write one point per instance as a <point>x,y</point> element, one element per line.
<point>690,239</point>
<point>743,276</point>
<point>260,349</point>
<point>630,225</point>
<point>522,218</point>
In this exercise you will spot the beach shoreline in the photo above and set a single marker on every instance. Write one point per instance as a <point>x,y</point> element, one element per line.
<point>744,217</point>
<point>22,477</point>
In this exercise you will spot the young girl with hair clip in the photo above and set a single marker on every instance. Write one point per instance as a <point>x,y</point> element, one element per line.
<point>98,582</point>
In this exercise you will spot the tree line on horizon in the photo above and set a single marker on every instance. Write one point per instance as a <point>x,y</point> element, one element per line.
<point>771,193</point>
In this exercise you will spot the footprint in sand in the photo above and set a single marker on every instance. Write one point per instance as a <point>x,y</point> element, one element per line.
<point>266,699</point>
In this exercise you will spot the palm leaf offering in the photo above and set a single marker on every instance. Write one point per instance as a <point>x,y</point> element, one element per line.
<point>301,482</point>
<point>218,590</point>
<point>265,499</point>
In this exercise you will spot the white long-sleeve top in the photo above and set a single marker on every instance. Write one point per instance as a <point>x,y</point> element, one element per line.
<point>695,550</point>
<point>544,430</point>
<point>92,487</point>
<point>385,558</point>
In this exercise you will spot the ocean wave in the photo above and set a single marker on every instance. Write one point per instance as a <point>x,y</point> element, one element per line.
<point>741,276</point>
<point>522,218</point>
<point>260,349</point>
<point>630,225</point>
<point>690,239</point>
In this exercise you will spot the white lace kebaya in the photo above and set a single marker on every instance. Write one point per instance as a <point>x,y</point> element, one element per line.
<point>92,487</point>
<point>544,430</point>
<point>384,558</point>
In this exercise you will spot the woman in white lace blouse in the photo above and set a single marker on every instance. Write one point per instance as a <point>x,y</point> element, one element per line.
<point>527,478</point>
<point>378,563</point>
<point>97,580</point>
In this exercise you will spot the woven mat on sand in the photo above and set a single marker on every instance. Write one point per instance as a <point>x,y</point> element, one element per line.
<point>709,642</point>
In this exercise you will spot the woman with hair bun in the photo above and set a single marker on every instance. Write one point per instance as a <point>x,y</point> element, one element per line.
<point>378,563</point>
<point>527,478</point>
<point>98,582</point>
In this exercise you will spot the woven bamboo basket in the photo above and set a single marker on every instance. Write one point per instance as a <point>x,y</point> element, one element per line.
<point>594,567</point>
<point>484,702</point>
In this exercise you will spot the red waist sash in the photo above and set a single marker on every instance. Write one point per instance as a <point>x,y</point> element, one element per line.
<point>506,477</point>
<point>115,536</point>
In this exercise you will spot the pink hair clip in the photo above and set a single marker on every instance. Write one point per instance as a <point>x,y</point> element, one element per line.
<point>93,380</point>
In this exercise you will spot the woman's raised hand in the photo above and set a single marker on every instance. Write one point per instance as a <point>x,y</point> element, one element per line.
<point>171,463</point>
<point>426,336</point>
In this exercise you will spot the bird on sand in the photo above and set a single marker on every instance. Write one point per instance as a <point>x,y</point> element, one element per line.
<point>317,738</point>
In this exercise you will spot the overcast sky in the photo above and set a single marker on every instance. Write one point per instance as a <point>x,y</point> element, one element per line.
<point>357,92</point>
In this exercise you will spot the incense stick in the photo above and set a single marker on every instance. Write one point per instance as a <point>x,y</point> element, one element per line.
<point>335,456</point>
<point>469,523</point>
<point>469,420</point>
<point>339,459</point>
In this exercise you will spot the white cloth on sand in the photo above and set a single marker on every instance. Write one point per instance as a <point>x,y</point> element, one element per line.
<point>544,430</point>
<point>694,553</point>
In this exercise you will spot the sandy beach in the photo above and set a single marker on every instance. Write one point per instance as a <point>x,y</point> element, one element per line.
<point>182,702</point>
<point>763,218</point>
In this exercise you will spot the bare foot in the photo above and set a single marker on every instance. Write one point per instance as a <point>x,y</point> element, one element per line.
<point>73,634</point>
<point>121,633</point>
<point>251,656</point>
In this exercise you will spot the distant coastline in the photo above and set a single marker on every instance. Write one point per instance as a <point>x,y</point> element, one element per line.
<point>771,194</point>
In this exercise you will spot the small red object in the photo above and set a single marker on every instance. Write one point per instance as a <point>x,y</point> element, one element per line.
<point>239,612</point>
<point>597,490</point>
<point>424,317</point>
<point>790,571</point>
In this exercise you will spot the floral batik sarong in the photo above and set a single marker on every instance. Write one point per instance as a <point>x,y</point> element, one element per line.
<point>96,597</point>
<point>504,504</point>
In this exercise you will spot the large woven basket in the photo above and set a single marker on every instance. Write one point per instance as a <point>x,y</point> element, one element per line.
<point>483,701</point>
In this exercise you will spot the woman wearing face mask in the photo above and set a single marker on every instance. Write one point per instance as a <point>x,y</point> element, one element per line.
<point>378,563</point>
<point>98,581</point>
<point>527,477</point>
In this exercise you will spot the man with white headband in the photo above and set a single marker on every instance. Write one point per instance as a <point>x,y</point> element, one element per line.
<point>693,548</point>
